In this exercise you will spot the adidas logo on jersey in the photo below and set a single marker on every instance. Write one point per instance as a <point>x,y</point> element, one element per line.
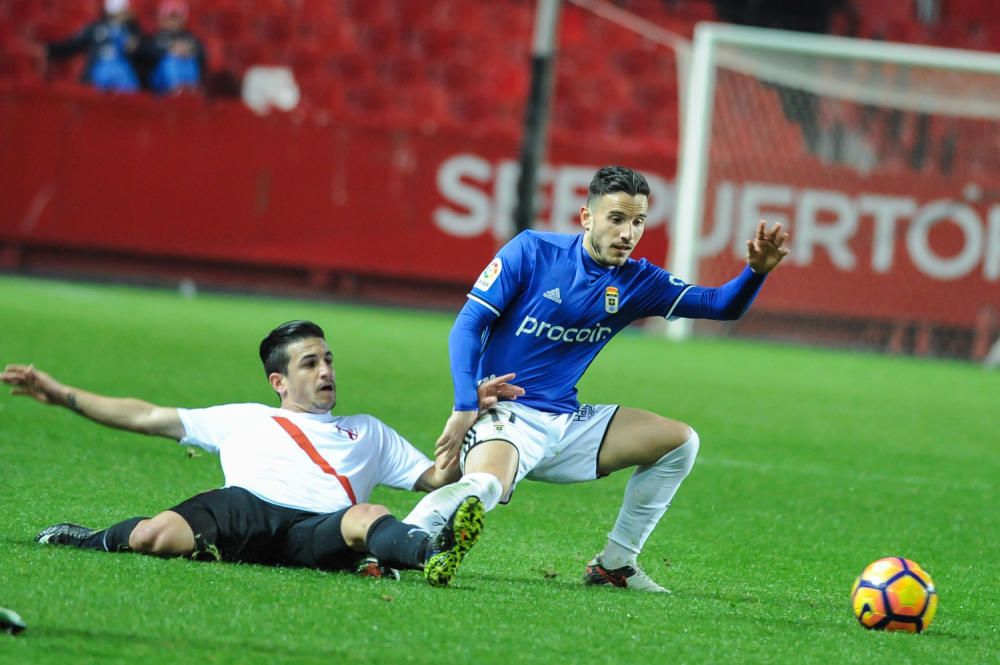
<point>553,295</point>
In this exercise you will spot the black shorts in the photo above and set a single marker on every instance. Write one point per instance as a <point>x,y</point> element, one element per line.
<point>231,524</point>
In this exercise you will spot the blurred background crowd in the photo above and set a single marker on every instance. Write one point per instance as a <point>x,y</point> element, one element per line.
<point>439,62</point>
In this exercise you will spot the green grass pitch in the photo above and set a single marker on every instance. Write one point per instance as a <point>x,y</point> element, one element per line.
<point>813,464</point>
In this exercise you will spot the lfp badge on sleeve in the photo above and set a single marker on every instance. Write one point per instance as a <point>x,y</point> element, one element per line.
<point>611,300</point>
<point>489,275</point>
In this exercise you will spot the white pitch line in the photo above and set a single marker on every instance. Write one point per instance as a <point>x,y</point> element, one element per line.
<point>858,474</point>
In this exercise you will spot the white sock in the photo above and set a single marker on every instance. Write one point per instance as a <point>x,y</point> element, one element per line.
<point>434,509</point>
<point>647,496</point>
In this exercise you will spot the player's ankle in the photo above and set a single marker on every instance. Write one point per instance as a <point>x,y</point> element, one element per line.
<point>616,556</point>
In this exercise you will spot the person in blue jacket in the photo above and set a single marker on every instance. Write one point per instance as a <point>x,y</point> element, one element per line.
<point>175,56</point>
<point>111,44</point>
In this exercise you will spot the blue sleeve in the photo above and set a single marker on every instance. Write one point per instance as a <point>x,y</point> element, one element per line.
<point>465,345</point>
<point>498,284</point>
<point>502,280</point>
<point>656,291</point>
<point>724,303</point>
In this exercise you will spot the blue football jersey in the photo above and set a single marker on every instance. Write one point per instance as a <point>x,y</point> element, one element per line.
<point>557,308</point>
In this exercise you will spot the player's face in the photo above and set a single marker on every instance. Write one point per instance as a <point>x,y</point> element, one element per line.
<point>310,385</point>
<point>613,225</point>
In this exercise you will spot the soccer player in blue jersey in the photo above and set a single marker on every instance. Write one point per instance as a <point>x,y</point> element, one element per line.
<point>543,309</point>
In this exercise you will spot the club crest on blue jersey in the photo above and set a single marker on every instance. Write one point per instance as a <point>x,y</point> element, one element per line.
<point>489,275</point>
<point>611,300</point>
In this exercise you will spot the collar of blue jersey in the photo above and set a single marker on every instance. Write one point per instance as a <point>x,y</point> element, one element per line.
<point>591,267</point>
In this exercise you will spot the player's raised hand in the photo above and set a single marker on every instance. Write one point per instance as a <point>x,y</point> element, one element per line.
<point>767,248</point>
<point>492,391</point>
<point>449,444</point>
<point>31,382</point>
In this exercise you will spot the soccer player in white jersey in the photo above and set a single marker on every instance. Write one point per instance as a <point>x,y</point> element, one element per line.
<point>297,478</point>
<point>543,309</point>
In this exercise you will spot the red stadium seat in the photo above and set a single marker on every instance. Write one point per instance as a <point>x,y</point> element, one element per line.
<point>510,81</point>
<point>252,52</point>
<point>428,104</point>
<point>352,66</point>
<point>50,29</point>
<point>578,119</point>
<point>635,62</point>
<point>572,27</point>
<point>437,44</point>
<point>214,52</point>
<point>276,28</point>
<point>378,37</point>
<point>371,11</point>
<point>21,11</point>
<point>401,69</point>
<point>969,11</point>
<point>367,102</point>
<point>231,24</point>
<point>630,121</point>
<point>458,75</point>
<point>307,58</point>
<point>7,33</point>
<point>656,92</point>
<point>19,66</point>
<point>697,10</point>
<point>471,109</point>
<point>414,14</point>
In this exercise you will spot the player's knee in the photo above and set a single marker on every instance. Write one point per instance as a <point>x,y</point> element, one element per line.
<point>358,521</point>
<point>486,486</point>
<point>497,458</point>
<point>145,537</point>
<point>671,436</point>
<point>694,441</point>
<point>161,538</point>
<point>687,452</point>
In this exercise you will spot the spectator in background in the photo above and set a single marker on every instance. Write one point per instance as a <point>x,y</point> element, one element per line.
<point>175,57</point>
<point>111,43</point>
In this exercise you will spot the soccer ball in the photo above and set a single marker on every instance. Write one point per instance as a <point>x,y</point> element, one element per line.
<point>894,594</point>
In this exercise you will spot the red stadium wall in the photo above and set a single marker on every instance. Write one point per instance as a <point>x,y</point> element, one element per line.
<point>178,179</point>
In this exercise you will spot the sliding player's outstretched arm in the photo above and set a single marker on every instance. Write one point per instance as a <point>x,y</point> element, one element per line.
<point>129,414</point>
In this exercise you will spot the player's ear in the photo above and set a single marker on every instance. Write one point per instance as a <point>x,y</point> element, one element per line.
<point>277,381</point>
<point>585,218</point>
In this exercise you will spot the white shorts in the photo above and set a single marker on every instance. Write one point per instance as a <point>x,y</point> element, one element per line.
<point>551,447</point>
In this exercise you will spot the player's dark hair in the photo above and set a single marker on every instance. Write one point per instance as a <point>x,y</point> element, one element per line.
<point>274,347</point>
<point>611,179</point>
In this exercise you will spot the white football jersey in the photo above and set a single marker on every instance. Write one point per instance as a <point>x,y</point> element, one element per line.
<point>315,462</point>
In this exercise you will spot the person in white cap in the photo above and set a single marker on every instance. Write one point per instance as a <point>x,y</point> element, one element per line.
<point>111,43</point>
